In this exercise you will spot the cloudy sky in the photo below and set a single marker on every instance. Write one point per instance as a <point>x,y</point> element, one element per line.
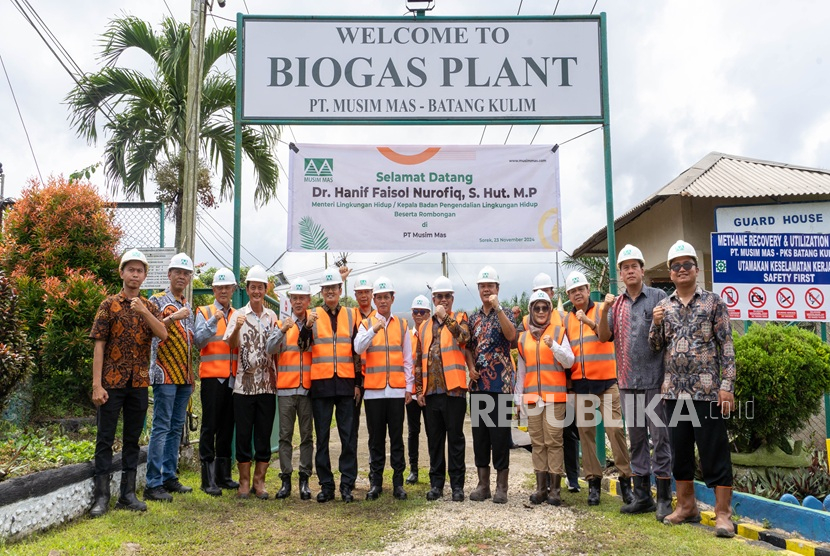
<point>686,78</point>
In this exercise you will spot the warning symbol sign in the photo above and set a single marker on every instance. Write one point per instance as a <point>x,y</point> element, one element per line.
<point>757,297</point>
<point>730,296</point>
<point>814,298</point>
<point>785,298</point>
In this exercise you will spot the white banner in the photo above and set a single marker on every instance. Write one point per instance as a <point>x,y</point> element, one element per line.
<point>419,198</point>
<point>393,69</point>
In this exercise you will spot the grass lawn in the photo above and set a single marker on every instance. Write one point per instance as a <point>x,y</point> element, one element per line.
<point>199,524</point>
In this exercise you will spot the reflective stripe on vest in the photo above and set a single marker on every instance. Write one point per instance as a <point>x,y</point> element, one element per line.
<point>452,357</point>
<point>293,365</point>
<point>599,357</point>
<point>413,343</point>
<point>332,354</point>
<point>384,356</point>
<point>545,378</point>
<point>217,359</point>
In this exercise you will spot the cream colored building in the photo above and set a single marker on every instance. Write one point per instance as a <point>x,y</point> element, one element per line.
<point>685,208</point>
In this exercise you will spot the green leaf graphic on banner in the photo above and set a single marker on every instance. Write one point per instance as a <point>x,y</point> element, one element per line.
<point>313,236</point>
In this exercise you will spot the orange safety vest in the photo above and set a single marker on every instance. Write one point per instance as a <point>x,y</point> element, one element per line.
<point>384,356</point>
<point>218,360</point>
<point>452,356</point>
<point>332,355</point>
<point>599,358</point>
<point>293,365</point>
<point>545,379</point>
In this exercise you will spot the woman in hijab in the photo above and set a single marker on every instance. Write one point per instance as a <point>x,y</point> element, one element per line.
<point>541,391</point>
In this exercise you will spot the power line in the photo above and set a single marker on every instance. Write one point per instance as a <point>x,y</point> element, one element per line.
<point>207,246</point>
<point>23,123</point>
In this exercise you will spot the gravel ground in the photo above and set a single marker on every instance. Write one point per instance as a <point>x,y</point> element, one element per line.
<point>515,527</point>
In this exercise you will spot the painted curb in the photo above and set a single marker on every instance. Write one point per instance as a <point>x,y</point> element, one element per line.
<point>758,508</point>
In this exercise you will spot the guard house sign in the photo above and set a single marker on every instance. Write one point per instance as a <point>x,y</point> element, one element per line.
<point>326,70</point>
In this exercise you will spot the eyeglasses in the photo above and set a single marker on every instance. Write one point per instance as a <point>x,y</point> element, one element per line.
<point>330,288</point>
<point>420,312</point>
<point>541,308</point>
<point>687,266</point>
<point>442,296</point>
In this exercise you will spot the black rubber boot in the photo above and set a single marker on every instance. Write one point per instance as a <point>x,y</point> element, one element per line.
<point>305,492</point>
<point>128,500</point>
<point>594,488</point>
<point>625,490</point>
<point>643,502</point>
<point>285,489</point>
<point>222,470</point>
<point>208,479</point>
<point>555,495</point>
<point>541,493</point>
<point>663,498</point>
<point>100,495</point>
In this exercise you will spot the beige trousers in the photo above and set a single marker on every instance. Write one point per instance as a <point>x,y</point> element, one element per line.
<point>545,425</point>
<point>609,405</point>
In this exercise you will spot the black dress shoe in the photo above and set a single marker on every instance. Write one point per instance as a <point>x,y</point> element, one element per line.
<point>374,492</point>
<point>346,494</point>
<point>325,496</point>
<point>573,487</point>
<point>413,477</point>
<point>157,494</point>
<point>435,493</point>
<point>458,495</point>
<point>399,493</point>
<point>173,485</point>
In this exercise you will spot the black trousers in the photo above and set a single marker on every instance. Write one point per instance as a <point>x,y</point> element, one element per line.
<point>445,425</point>
<point>254,418</point>
<point>216,433</point>
<point>382,415</point>
<point>490,413</point>
<point>699,422</point>
<point>343,409</point>
<point>414,413</point>
<point>570,442</point>
<point>134,403</point>
<point>356,422</point>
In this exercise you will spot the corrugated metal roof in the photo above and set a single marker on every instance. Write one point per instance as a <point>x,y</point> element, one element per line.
<point>724,175</point>
<point>733,176</point>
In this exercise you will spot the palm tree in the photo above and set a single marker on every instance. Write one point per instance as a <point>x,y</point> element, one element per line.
<point>595,270</point>
<point>146,115</point>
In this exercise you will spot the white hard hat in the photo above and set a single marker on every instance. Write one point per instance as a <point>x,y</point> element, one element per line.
<point>256,274</point>
<point>421,302</point>
<point>383,285</point>
<point>442,284</point>
<point>331,277</point>
<point>362,284</point>
<point>574,280</point>
<point>538,295</point>
<point>224,277</point>
<point>134,255</point>
<point>181,260</point>
<point>630,253</point>
<point>542,280</point>
<point>487,274</point>
<point>681,249</point>
<point>299,286</point>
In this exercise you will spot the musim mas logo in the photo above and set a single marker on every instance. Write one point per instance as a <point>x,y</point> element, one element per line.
<point>318,170</point>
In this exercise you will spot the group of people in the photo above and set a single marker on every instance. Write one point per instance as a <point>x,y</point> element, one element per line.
<point>643,355</point>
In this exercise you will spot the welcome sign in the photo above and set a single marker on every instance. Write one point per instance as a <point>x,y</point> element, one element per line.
<point>403,69</point>
<point>423,198</point>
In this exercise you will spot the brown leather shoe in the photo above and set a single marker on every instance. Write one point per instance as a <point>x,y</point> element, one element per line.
<point>686,510</point>
<point>724,527</point>
<point>482,491</point>
<point>244,480</point>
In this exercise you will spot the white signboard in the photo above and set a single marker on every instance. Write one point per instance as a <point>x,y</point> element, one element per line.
<point>393,69</point>
<point>424,198</point>
<point>803,218</point>
<point>158,259</point>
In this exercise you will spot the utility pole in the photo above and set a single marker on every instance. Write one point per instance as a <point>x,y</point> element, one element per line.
<point>192,127</point>
<point>2,196</point>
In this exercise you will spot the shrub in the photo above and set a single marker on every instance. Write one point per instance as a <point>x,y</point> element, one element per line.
<point>784,371</point>
<point>60,226</point>
<point>15,358</point>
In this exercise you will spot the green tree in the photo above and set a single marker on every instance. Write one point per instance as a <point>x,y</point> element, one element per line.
<point>595,270</point>
<point>146,115</point>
